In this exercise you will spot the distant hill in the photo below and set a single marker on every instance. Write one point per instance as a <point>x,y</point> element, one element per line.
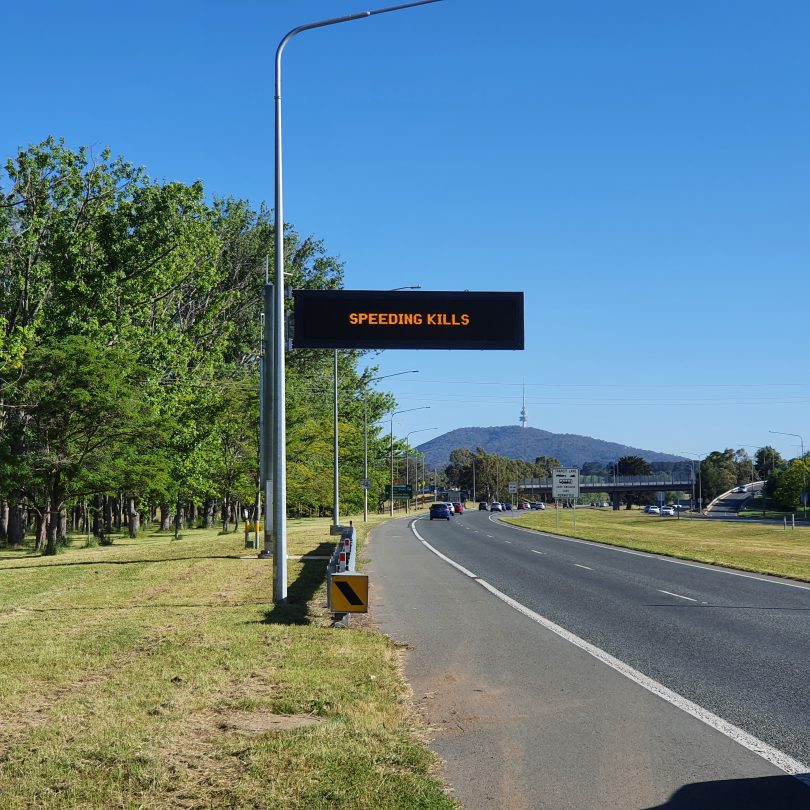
<point>515,441</point>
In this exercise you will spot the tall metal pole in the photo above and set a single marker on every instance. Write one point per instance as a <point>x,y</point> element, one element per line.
<point>268,388</point>
<point>395,413</point>
<point>391,492</point>
<point>365,454</point>
<point>279,433</point>
<point>336,466</point>
<point>804,472</point>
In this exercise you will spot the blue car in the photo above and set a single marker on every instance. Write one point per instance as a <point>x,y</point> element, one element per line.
<point>440,510</point>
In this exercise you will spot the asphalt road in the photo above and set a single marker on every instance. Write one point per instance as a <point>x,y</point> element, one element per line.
<point>526,718</point>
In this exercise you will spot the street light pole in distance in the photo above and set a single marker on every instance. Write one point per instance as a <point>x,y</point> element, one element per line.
<point>365,433</point>
<point>700,458</point>
<point>396,413</point>
<point>407,439</point>
<point>804,474</point>
<point>275,439</point>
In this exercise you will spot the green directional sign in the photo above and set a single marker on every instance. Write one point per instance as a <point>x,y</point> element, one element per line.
<point>400,491</point>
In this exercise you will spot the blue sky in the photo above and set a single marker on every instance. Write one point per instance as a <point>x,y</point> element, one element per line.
<point>641,170</point>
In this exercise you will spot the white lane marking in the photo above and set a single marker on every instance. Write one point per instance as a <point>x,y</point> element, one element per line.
<point>669,593</point>
<point>535,551</point>
<point>489,535</point>
<point>583,566</point>
<point>773,755</point>
<point>701,566</point>
<point>508,541</point>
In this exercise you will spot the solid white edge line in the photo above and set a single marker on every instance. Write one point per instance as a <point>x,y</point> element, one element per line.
<point>702,566</point>
<point>773,755</point>
<point>440,555</point>
<point>583,566</point>
<point>535,551</point>
<point>680,596</point>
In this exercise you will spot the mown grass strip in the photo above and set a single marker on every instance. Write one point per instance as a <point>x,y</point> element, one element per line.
<point>761,548</point>
<point>158,674</point>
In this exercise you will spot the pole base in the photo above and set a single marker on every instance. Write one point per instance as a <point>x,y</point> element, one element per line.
<point>265,555</point>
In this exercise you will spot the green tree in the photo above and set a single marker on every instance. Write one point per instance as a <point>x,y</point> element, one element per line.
<point>86,410</point>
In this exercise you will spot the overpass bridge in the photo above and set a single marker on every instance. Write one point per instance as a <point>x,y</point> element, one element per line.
<point>617,485</point>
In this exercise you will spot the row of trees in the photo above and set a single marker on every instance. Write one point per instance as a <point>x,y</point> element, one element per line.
<point>130,329</point>
<point>717,473</point>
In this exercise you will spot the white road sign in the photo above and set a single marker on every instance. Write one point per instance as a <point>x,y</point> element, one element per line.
<point>565,483</point>
<point>365,483</point>
<point>513,488</point>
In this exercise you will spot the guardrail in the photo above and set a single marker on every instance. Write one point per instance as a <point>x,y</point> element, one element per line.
<point>347,591</point>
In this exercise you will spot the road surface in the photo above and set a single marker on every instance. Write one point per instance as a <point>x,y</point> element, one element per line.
<point>527,716</point>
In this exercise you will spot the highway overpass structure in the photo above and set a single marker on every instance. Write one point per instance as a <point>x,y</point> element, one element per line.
<point>616,486</point>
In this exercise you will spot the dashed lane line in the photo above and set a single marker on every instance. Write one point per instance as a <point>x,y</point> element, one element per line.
<point>773,755</point>
<point>669,593</point>
<point>702,566</point>
<point>587,568</point>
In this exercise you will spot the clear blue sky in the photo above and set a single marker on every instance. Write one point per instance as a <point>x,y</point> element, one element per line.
<point>641,170</point>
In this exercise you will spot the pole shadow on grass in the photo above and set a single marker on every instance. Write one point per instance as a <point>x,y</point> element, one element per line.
<point>783,792</point>
<point>301,590</point>
<point>120,562</point>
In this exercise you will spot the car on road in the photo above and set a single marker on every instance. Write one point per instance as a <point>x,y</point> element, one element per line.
<point>483,506</point>
<point>450,507</point>
<point>668,510</point>
<point>741,488</point>
<point>496,506</point>
<point>440,511</point>
<point>508,505</point>
<point>652,510</point>
<point>538,505</point>
<point>524,505</point>
<point>458,507</point>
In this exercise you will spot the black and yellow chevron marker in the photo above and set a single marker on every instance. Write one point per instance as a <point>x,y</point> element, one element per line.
<point>349,593</point>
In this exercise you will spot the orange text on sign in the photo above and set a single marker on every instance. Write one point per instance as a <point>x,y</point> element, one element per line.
<point>408,319</point>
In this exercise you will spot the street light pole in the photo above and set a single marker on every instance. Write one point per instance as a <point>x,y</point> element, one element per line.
<point>804,472</point>
<point>407,439</point>
<point>275,440</point>
<point>365,432</point>
<point>395,413</point>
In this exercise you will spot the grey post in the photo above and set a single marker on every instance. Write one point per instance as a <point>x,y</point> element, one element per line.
<point>278,481</point>
<point>804,474</point>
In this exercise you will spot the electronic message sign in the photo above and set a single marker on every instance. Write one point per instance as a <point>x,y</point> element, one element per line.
<point>383,319</point>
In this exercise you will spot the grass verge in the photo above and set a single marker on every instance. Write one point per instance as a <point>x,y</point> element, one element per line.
<point>762,548</point>
<point>157,673</point>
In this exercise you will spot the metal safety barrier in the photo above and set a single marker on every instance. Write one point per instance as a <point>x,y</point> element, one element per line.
<point>347,591</point>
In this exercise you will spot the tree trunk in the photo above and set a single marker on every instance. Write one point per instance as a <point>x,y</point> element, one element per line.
<point>16,524</point>
<point>226,513</point>
<point>192,514</point>
<point>51,533</point>
<point>134,519</point>
<point>61,534</point>
<point>165,517</point>
<point>108,515</point>
<point>3,520</point>
<point>179,519</point>
<point>118,509</point>
<point>41,521</point>
<point>208,518</point>
<point>98,529</point>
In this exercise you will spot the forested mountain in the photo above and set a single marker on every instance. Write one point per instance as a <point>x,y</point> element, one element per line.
<point>130,328</point>
<point>518,442</point>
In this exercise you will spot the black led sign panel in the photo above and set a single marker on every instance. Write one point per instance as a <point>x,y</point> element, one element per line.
<point>381,319</point>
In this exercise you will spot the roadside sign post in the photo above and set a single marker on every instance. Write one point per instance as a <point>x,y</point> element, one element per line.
<point>565,484</point>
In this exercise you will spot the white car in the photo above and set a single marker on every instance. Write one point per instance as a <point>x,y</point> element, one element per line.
<point>653,510</point>
<point>668,510</point>
<point>741,488</point>
<point>496,506</point>
<point>538,505</point>
<point>450,507</point>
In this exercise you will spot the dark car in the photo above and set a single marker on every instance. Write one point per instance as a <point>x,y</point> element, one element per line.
<point>440,511</point>
<point>508,505</point>
<point>458,506</point>
<point>482,507</point>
